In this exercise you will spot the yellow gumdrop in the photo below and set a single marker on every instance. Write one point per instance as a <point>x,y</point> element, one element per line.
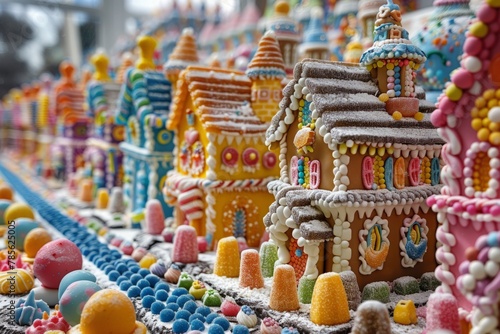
<point>227,258</point>
<point>380,63</point>
<point>479,29</point>
<point>384,97</point>
<point>18,210</point>
<point>397,115</point>
<point>390,66</point>
<point>489,94</point>
<point>480,102</point>
<point>453,92</point>
<point>329,301</point>
<point>483,134</point>
<point>495,138</point>
<point>419,116</point>
<point>477,124</point>
<point>405,313</point>
<point>486,122</point>
<point>494,126</point>
<point>34,240</point>
<point>147,261</point>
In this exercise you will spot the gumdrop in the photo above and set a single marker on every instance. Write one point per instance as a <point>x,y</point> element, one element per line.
<point>185,245</point>
<point>116,201</point>
<point>268,257</point>
<point>351,288</point>
<point>377,291</point>
<point>329,301</point>
<point>405,313</point>
<point>85,191</point>
<point>227,259</point>
<point>428,281</point>
<point>372,317</point>
<point>442,313</point>
<point>250,274</point>
<point>101,201</point>
<point>406,285</point>
<point>306,287</point>
<point>284,295</point>
<point>154,217</point>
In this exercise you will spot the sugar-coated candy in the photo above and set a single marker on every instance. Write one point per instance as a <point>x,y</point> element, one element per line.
<point>377,291</point>
<point>284,295</point>
<point>197,316</point>
<point>406,285</point>
<point>180,326</point>
<point>173,306</point>
<point>203,310</point>
<point>133,292</point>
<point>210,317</point>
<point>154,217</point>
<point>250,273</point>
<point>405,313</point>
<point>442,313</point>
<point>227,261</point>
<point>290,330</point>
<point>190,306</point>
<point>197,325</point>
<point>229,307</point>
<point>167,315</point>
<point>162,286</point>
<point>161,295</point>
<point>185,245</point>
<point>372,317</point>
<point>147,261</point>
<point>215,329</point>
<point>182,314</point>
<point>351,288</point>
<point>184,299</point>
<point>305,289</point>
<point>147,291</point>
<point>221,321</point>
<point>329,301</point>
<point>143,283</point>
<point>179,292</point>
<point>197,289</point>
<point>157,307</point>
<point>270,326</point>
<point>428,281</point>
<point>125,285</point>
<point>172,299</point>
<point>135,278</point>
<point>212,298</point>
<point>147,301</point>
<point>268,256</point>
<point>240,329</point>
<point>185,281</point>
<point>152,279</point>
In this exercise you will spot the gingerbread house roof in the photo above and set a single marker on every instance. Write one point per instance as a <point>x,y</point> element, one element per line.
<point>345,101</point>
<point>221,99</point>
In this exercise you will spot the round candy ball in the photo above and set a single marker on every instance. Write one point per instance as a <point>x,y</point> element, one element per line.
<point>108,311</point>
<point>74,299</point>
<point>54,260</point>
<point>34,240</point>
<point>18,210</point>
<point>4,204</point>
<point>74,276</point>
<point>6,192</point>
<point>22,227</point>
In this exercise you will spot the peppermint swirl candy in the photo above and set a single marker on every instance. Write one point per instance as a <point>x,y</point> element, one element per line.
<point>246,317</point>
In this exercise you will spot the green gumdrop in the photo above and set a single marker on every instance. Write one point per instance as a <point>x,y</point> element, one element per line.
<point>212,298</point>
<point>306,287</point>
<point>376,291</point>
<point>268,257</point>
<point>185,281</point>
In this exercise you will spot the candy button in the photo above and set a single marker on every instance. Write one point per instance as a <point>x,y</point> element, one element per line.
<point>494,114</point>
<point>473,64</point>
<point>463,79</point>
<point>478,29</point>
<point>486,15</point>
<point>453,92</point>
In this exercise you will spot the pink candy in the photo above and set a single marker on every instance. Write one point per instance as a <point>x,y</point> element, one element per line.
<point>442,313</point>
<point>463,79</point>
<point>486,14</point>
<point>185,245</point>
<point>154,217</point>
<point>202,244</point>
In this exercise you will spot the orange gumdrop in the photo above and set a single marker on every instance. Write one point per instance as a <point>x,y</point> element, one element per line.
<point>227,259</point>
<point>284,296</point>
<point>329,304</point>
<point>250,273</point>
<point>6,192</point>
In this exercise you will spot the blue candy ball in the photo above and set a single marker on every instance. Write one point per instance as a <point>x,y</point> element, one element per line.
<point>142,283</point>
<point>211,317</point>
<point>172,299</point>
<point>196,316</point>
<point>133,292</point>
<point>113,275</point>
<point>134,269</point>
<point>173,306</point>
<point>161,295</point>
<point>147,301</point>
<point>147,292</point>
<point>203,310</point>
<point>215,329</point>
<point>180,326</point>
<point>167,315</point>
<point>197,325</point>
<point>152,279</point>
<point>184,299</point>
<point>221,321</point>
<point>144,272</point>
<point>125,285</point>
<point>162,286</point>
<point>179,292</point>
<point>135,278</point>
<point>128,274</point>
<point>190,306</point>
<point>240,329</point>
<point>182,314</point>
<point>157,307</point>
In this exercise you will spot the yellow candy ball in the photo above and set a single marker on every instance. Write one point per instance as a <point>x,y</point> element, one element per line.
<point>474,112</point>
<point>479,29</point>
<point>18,210</point>
<point>390,66</point>
<point>483,134</point>
<point>494,126</point>
<point>486,122</point>
<point>419,116</point>
<point>380,63</point>
<point>6,192</point>
<point>480,102</point>
<point>489,94</point>
<point>495,138</point>
<point>397,115</point>
<point>453,92</point>
<point>493,3</point>
<point>477,124</point>
<point>34,240</point>
<point>497,94</point>
<point>384,97</point>
<point>147,261</point>
<point>492,103</point>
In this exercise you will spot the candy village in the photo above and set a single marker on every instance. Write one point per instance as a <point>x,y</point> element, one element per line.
<point>322,172</point>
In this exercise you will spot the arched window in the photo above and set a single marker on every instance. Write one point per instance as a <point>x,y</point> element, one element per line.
<point>414,171</point>
<point>367,172</point>
<point>435,171</point>
<point>314,174</point>
<point>399,173</point>
<point>388,173</point>
<point>294,171</point>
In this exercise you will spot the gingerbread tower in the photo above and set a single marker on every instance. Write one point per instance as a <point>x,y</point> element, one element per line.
<point>266,71</point>
<point>393,61</point>
<point>315,44</point>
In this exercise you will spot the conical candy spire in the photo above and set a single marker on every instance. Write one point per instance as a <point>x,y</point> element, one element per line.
<point>184,54</point>
<point>268,56</point>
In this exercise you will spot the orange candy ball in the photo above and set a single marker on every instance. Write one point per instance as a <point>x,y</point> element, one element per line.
<point>6,192</point>
<point>35,239</point>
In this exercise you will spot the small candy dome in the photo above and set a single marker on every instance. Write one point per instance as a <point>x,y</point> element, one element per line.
<point>4,204</point>
<point>74,276</point>
<point>442,39</point>
<point>35,239</point>
<point>18,210</point>
<point>75,296</point>
<point>23,227</point>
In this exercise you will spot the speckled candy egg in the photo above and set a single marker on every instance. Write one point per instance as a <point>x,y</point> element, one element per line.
<point>54,260</point>
<point>23,227</point>
<point>35,239</point>
<point>18,210</point>
<point>4,204</point>
<point>74,299</point>
<point>75,276</point>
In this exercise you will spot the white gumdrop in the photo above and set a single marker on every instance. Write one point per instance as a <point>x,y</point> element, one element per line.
<point>476,268</point>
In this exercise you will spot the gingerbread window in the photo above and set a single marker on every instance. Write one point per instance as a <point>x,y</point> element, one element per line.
<point>388,173</point>
<point>294,171</point>
<point>414,171</point>
<point>367,172</point>
<point>314,174</point>
<point>435,171</point>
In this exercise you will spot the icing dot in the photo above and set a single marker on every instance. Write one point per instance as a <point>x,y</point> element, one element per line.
<point>476,268</point>
<point>492,268</point>
<point>453,92</point>
<point>473,64</point>
<point>468,281</point>
<point>478,29</point>
<point>463,79</point>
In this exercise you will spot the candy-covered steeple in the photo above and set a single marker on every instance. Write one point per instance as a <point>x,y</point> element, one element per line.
<point>287,34</point>
<point>392,61</point>
<point>315,44</point>
<point>442,39</point>
<point>266,70</point>
<point>184,54</point>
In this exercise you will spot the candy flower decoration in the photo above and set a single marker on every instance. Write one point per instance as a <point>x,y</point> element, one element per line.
<point>246,317</point>
<point>393,60</point>
<point>197,289</point>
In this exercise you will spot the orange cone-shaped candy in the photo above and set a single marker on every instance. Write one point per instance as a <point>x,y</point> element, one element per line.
<point>85,194</point>
<point>329,304</point>
<point>102,198</point>
<point>250,274</point>
<point>284,295</point>
<point>227,259</point>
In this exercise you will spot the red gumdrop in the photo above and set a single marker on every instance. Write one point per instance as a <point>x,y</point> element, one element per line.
<point>56,259</point>
<point>473,46</point>
<point>229,308</point>
<point>471,253</point>
<point>486,14</point>
<point>463,79</point>
<point>202,244</point>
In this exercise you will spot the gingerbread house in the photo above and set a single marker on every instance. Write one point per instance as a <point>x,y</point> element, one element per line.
<point>46,124</point>
<point>73,126</point>
<point>468,117</point>
<point>103,159</point>
<point>223,165</point>
<point>143,109</point>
